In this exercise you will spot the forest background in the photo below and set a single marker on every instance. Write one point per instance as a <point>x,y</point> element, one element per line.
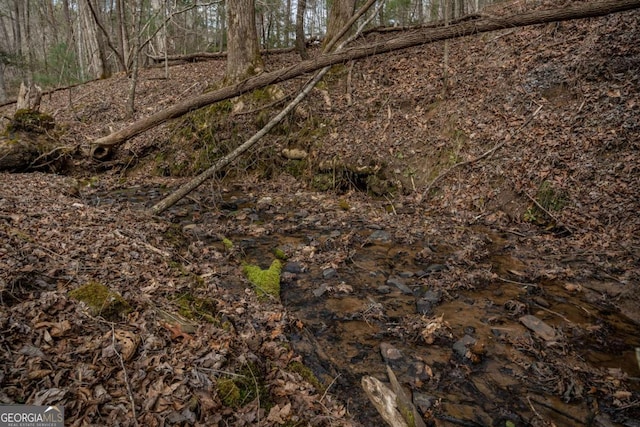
<point>56,43</point>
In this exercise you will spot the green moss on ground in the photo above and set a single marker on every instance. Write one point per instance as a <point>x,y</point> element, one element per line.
<point>306,374</point>
<point>267,282</point>
<point>101,301</point>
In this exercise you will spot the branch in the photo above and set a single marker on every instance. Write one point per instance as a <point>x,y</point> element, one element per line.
<point>420,37</point>
<point>185,189</point>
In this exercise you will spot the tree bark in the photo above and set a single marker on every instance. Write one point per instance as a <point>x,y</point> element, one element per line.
<point>339,14</point>
<point>301,45</point>
<point>243,58</point>
<point>415,38</point>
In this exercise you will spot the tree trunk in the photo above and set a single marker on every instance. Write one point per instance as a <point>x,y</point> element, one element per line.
<point>301,45</point>
<point>135,58</point>
<point>3,88</point>
<point>339,14</point>
<point>243,58</point>
<point>414,38</point>
<point>93,51</point>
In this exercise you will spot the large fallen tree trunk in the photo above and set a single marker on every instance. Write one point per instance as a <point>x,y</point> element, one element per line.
<point>415,38</point>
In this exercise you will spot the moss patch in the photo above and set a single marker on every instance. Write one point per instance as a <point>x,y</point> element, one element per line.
<point>267,282</point>
<point>247,385</point>
<point>27,120</point>
<point>550,199</point>
<point>196,308</point>
<point>307,374</point>
<point>101,301</point>
<point>229,392</point>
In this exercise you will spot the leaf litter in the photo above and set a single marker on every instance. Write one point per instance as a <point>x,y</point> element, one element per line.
<point>563,101</point>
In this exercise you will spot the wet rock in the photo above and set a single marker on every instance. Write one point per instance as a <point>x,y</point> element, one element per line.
<point>384,289</point>
<point>428,301</point>
<point>329,273</point>
<point>435,268</point>
<point>380,236</point>
<point>320,290</point>
<point>424,306</point>
<point>389,353</point>
<point>293,267</point>
<point>541,302</point>
<point>423,401</point>
<point>228,206</point>
<point>460,347</point>
<point>540,328</point>
<point>399,283</point>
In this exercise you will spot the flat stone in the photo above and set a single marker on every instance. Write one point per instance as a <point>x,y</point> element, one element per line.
<point>435,268</point>
<point>384,289</point>
<point>329,273</point>
<point>293,267</point>
<point>320,290</point>
<point>399,283</point>
<point>389,353</point>
<point>423,401</point>
<point>540,328</point>
<point>380,236</point>
<point>424,306</point>
<point>460,347</point>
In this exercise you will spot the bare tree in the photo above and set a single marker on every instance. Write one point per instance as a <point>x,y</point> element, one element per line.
<point>301,46</point>
<point>339,15</point>
<point>243,58</point>
<point>90,46</point>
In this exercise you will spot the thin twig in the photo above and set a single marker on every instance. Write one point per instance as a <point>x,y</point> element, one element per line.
<point>482,156</point>
<point>326,390</point>
<point>534,410</point>
<point>255,383</point>
<point>553,312</point>
<point>126,376</point>
<point>543,209</point>
<point>517,283</point>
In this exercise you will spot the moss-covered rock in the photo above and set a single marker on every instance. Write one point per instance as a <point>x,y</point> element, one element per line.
<point>101,301</point>
<point>267,282</point>
<point>26,120</point>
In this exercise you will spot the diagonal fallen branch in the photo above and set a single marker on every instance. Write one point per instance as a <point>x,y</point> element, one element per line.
<point>185,189</point>
<point>413,38</point>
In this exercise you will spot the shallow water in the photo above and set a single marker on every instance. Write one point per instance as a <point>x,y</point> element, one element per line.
<point>369,300</point>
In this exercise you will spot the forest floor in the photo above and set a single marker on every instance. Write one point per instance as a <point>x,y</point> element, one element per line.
<point>499,277</point>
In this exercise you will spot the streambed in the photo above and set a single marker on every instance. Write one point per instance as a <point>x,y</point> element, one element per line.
<point>475,340</point>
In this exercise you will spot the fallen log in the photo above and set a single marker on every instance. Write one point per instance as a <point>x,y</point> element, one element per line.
<point>205,56</point>
<point>411,39</point>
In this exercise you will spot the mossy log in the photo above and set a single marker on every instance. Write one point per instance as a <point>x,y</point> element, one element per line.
<point>17,154</point>
<point>25,140</point>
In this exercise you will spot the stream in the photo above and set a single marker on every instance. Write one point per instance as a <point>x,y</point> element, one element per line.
<point>468,356</point>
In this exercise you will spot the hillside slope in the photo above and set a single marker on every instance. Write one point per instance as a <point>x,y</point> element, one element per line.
<point>518,188</point>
